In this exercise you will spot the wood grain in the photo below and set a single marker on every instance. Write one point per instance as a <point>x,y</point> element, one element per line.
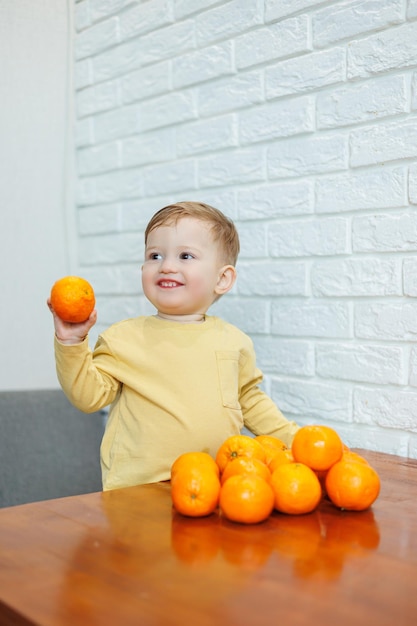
<point>124,557</point>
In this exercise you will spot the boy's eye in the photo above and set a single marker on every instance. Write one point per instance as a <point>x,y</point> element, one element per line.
<point>186,255</point>
<point>154,256</point>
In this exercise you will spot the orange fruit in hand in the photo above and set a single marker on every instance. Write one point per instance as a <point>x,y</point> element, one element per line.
<point>246,498</point>
<point>296,487</point>
<point>72,299</point>
<point>317,446</point>
<point>189,460</point>
<point>237,446</point>
<point>195,491</point>
<point>352,485</point>
<point>246,465</point>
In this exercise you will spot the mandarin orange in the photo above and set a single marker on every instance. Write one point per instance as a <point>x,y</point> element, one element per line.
<point>317,446</point>
<point>72,299</point>
<point>350,455</point>
<point>237,446</point>
<point>194,459</point>
<point>246,498</point>
<point>352,485</point>
<point>268,440</point>
<point>296,487</point>
<point>246,465</point>
<point>280,457</point>
<point>195,491</point>
<point>271,445</point>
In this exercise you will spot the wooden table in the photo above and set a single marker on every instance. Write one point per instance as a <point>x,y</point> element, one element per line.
<point>124,558</point>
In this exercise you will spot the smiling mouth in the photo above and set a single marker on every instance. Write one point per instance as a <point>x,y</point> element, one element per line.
<point>168,284</point>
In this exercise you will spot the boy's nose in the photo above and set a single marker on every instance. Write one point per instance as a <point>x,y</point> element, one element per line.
<point>168,265</point>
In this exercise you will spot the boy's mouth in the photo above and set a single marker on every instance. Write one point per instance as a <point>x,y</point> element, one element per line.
<point>169,284</point>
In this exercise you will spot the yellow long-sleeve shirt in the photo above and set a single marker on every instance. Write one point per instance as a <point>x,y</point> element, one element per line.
<point>172,388</point>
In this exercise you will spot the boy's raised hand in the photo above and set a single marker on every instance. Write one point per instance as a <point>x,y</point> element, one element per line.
<point>70,333</point>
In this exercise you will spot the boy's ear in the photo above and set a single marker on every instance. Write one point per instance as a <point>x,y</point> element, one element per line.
<point>226,279</point>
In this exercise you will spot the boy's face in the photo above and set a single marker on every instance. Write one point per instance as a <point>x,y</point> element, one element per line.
<point>183,268</point>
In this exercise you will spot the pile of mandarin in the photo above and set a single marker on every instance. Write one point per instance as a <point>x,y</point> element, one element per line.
<point>253,476</point>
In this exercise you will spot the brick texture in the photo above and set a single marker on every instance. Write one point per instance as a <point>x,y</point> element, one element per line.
<point>298,120</point>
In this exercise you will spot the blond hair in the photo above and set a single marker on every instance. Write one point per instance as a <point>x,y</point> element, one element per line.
<point>222,228</point>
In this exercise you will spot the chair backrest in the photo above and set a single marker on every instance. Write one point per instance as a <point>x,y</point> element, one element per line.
<point>48,449</point>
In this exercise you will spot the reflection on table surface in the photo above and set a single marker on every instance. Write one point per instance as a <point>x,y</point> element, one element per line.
<point>126,557</point>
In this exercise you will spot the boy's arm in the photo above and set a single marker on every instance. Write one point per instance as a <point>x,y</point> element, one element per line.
<point>86,386</point>
<point>260,414</point>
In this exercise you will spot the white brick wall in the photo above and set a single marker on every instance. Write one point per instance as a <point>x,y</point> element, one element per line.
<point>299,120</point>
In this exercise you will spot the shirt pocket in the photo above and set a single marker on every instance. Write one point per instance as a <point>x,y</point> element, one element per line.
<point>228,371</point>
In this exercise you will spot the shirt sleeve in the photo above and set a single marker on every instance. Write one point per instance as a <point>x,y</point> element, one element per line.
<point>87,387</point>
<point>260,414</point>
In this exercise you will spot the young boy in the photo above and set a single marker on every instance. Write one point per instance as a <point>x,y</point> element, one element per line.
<point>179,380</point>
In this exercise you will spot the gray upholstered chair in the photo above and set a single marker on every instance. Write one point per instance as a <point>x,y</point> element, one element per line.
<point>48,449</point>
